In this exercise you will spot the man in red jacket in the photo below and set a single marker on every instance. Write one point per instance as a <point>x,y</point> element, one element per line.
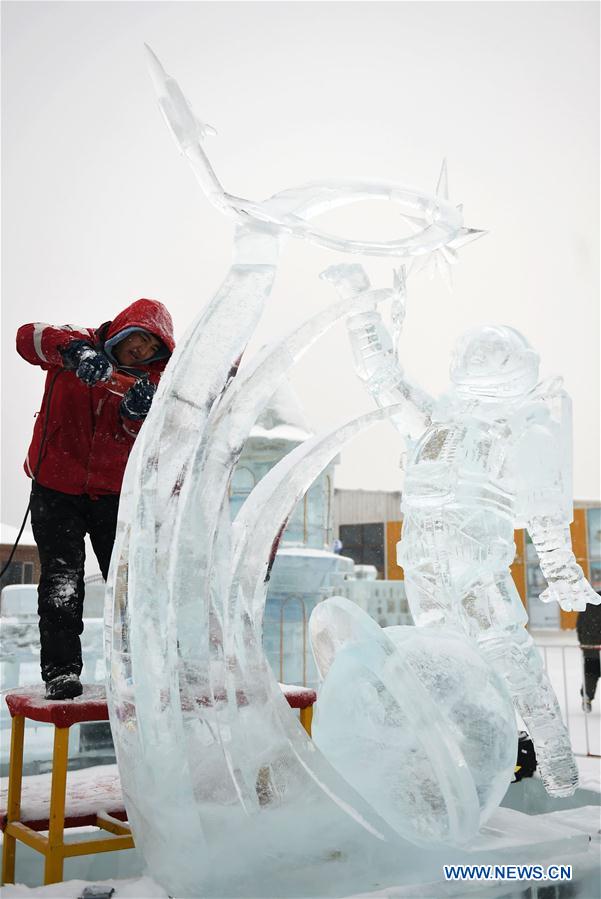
<point>81,442</point>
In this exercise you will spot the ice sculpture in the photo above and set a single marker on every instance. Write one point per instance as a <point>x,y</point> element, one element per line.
<point>226,794</point>
<point>415,720</point>
<point>491,455</point>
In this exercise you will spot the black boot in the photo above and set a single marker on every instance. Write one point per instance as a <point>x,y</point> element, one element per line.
<point>64,686</point>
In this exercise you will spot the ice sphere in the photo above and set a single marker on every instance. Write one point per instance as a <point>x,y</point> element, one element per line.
<point>415,720</point>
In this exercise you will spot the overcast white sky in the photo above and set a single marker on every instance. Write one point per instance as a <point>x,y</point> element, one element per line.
<point>99,208</point>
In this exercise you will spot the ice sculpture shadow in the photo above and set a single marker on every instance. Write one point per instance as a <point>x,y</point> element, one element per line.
<point>226,794</point>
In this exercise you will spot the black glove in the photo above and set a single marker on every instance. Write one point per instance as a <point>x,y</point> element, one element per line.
<point>138,399</point>
<point>89,365</point>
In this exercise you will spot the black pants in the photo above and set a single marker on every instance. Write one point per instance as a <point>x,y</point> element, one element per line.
<point>60,522</point>
<point>592,672</point>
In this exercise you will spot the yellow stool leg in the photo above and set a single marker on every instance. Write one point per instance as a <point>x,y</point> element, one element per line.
<point>306,717</point>
<point>15,776</point>
<point>53,868</point>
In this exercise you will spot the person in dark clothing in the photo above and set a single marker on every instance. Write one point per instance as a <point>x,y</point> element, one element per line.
<point>81,442</point>
<point>525,765</point>
<point>588,628</point>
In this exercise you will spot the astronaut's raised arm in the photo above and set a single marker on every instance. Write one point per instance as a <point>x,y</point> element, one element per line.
<point>376,362</point>
<point>379,369</point>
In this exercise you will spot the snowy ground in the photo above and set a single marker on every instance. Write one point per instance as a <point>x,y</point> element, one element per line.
<point>134,888</point>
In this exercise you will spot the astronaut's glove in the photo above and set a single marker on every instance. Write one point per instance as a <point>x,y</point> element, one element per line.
<point>370,342</point>
<point>136,403</point>
<point>349,279</point>
<point>89,365</point>
<point>571,596</point>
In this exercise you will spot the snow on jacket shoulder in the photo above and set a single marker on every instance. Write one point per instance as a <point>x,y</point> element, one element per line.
<point>80,443</point>
<point>40,343</point>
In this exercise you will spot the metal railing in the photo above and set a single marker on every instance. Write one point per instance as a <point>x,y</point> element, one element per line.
<point>567,678</point>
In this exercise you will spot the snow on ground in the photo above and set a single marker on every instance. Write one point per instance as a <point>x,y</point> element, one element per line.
<point>138,888</point>
<point>119,866</point>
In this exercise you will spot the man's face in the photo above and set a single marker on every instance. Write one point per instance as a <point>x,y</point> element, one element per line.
<point>136,348</point>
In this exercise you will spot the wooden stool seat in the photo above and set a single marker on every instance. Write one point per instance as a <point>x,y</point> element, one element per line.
<point>30,703</point>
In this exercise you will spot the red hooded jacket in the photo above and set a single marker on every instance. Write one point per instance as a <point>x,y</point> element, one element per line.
<point>87,443</point>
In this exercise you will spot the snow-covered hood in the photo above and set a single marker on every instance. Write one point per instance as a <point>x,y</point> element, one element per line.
<point>149,315</point>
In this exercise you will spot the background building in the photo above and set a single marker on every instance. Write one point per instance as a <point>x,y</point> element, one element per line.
<point>25,565</point>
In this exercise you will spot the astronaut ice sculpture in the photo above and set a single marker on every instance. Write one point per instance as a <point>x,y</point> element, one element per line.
<point>491,455</point>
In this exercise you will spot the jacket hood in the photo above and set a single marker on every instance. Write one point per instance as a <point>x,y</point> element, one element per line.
<point>150,315</point>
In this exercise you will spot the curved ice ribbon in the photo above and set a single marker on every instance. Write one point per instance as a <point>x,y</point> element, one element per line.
<point>439,223</point>
<point>140,696</point>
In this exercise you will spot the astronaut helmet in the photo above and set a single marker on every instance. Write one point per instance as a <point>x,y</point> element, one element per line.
<point>494,362</point>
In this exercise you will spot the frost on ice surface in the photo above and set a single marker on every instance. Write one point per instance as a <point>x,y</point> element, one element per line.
<point>209,753</point>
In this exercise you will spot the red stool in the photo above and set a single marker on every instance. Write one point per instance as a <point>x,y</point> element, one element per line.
<point>109,813</point>
<point>29,702</point>
<point>303,699</point>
